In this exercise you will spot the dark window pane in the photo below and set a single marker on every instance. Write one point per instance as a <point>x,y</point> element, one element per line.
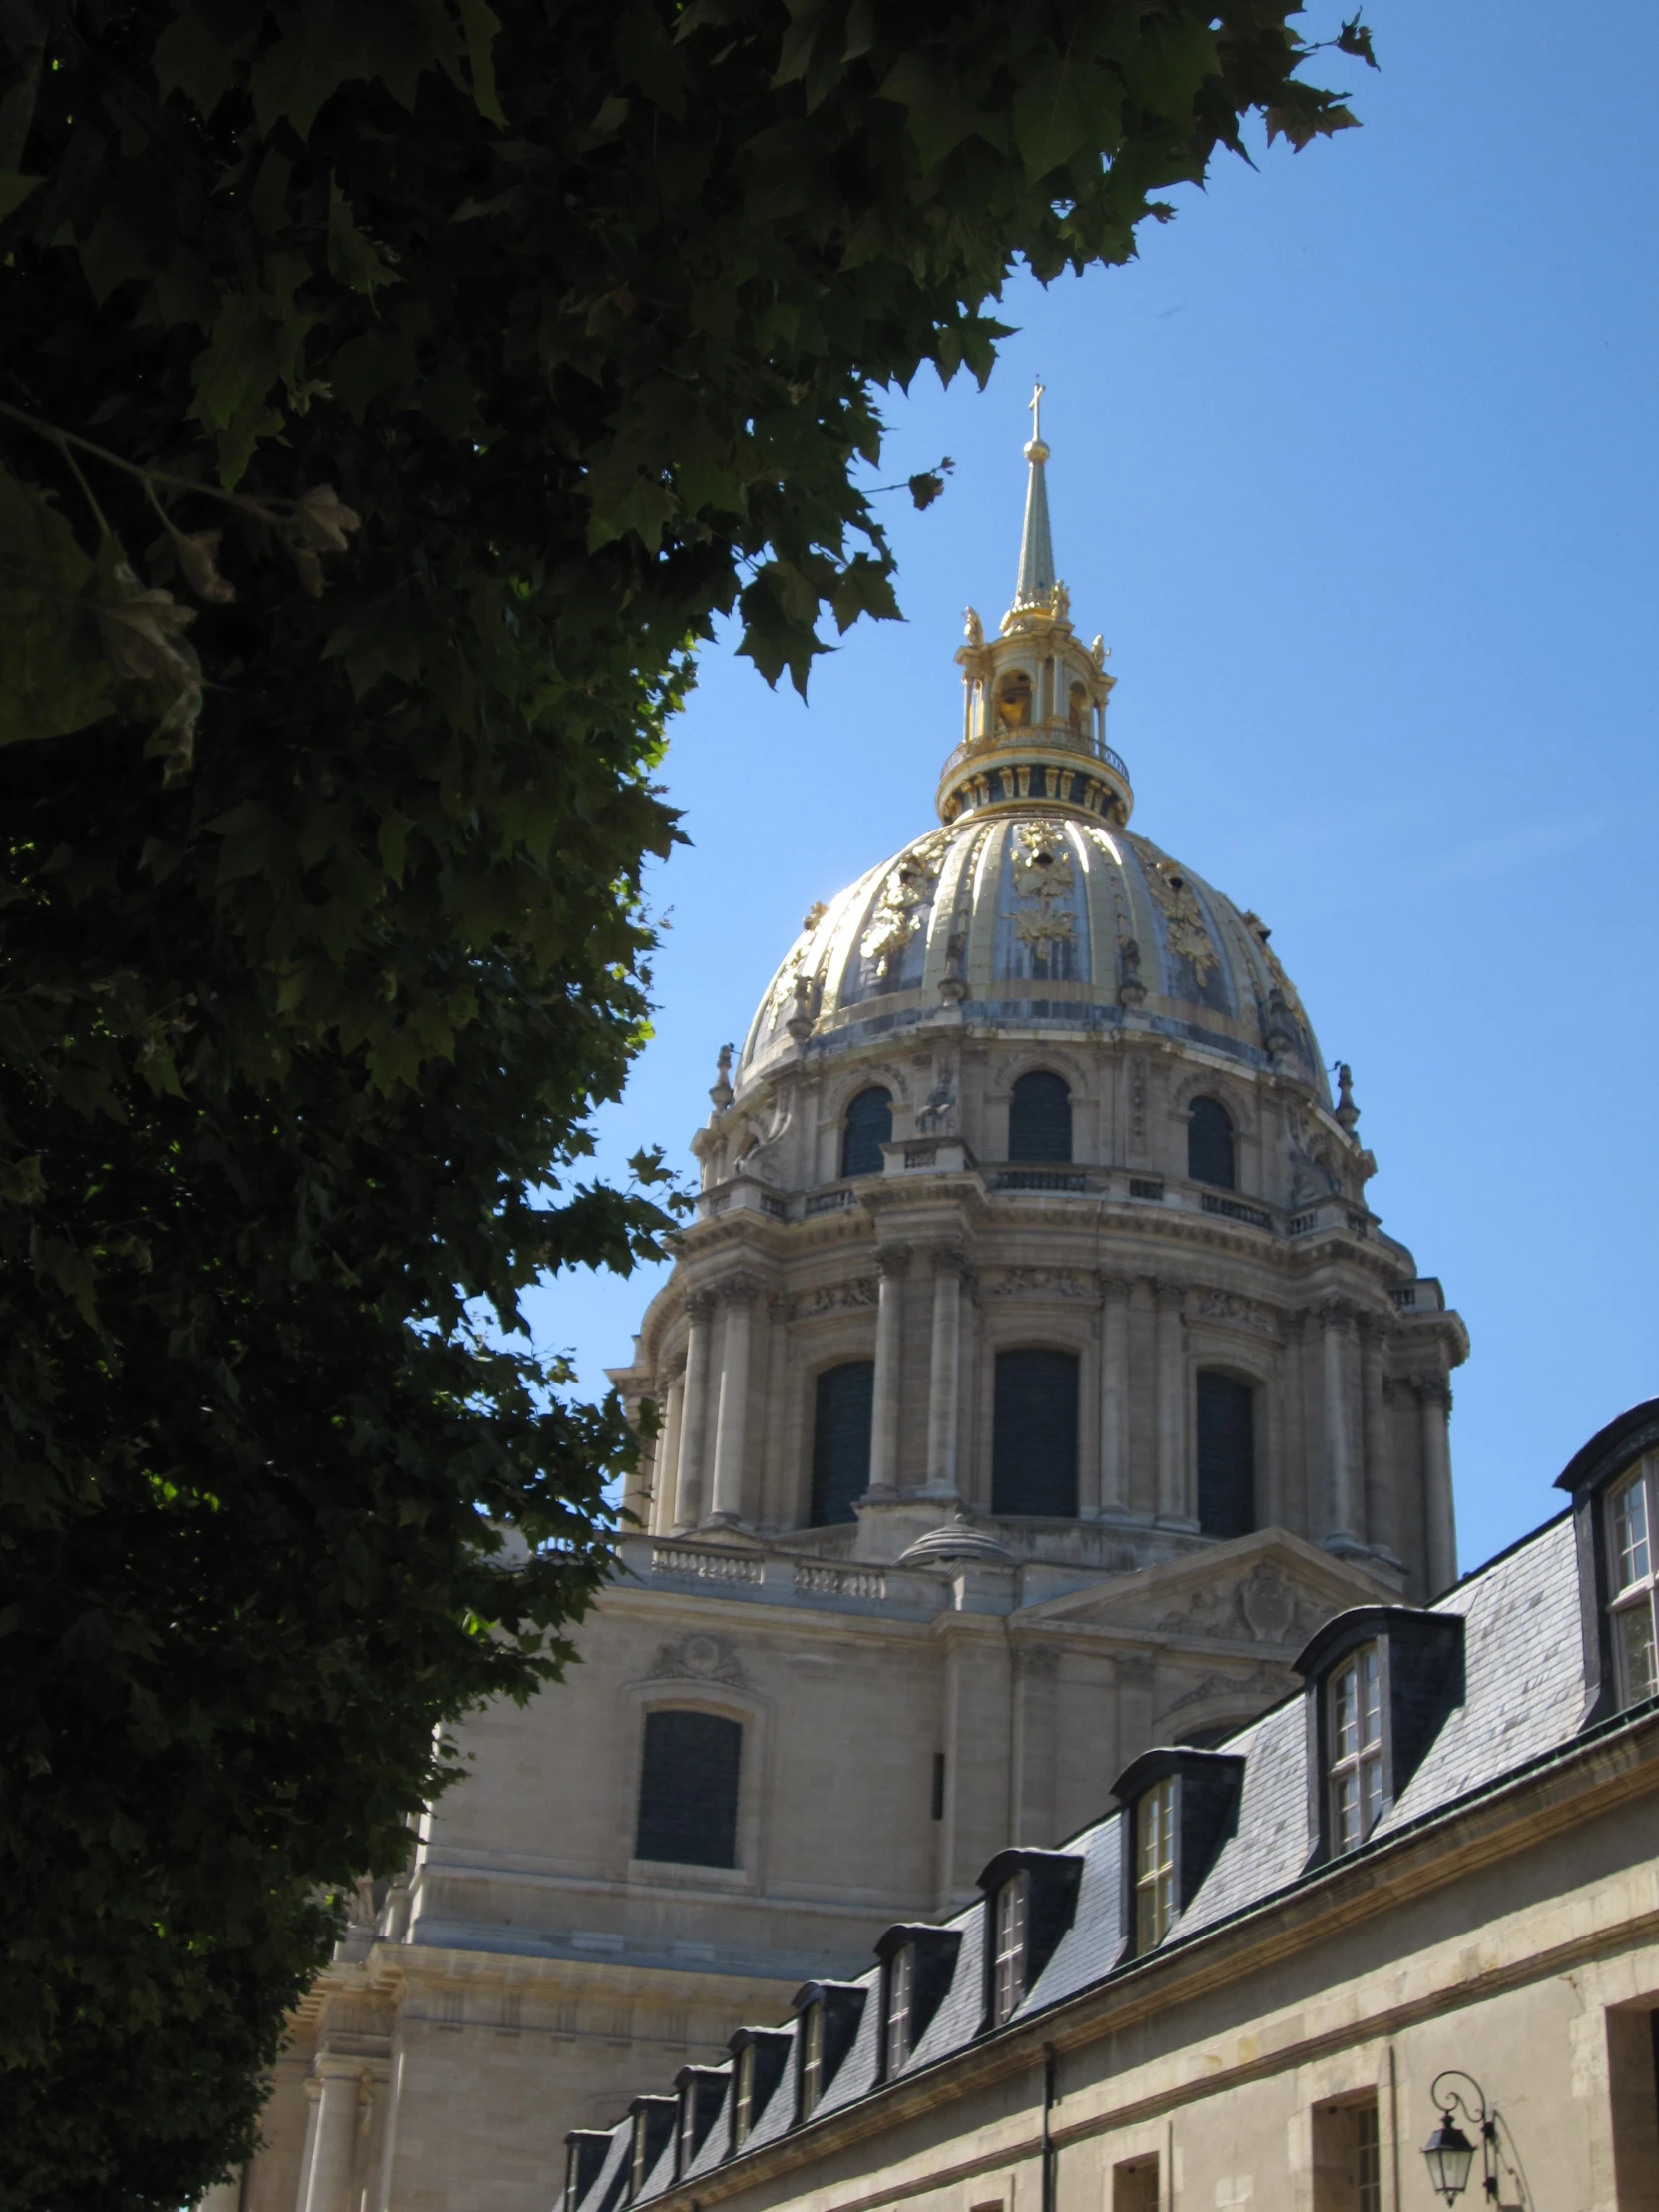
<point>1034,1441</point>
<point>868,1128</point>
<point>1039,1118</point>
<point>841,1441</point>
<point>1226,1456</point>
<point>1210,1144</point>
<point>689,1788</point>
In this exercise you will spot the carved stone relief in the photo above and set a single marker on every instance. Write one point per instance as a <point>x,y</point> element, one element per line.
<point>1265,1606</point>
<point>1043,1283</point>
<point>699,1658</point>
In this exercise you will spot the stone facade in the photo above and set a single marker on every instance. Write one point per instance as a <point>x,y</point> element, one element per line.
<point>933,1673</point>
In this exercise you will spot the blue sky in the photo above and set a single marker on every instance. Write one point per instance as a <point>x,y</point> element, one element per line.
<point>1358,470</point>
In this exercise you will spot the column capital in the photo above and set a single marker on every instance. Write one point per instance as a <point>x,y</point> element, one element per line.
<point>1375,1329</point>
<point>1172,1296</point>
<point>737,1289</point>
<point>700,1305</point>
<point>1430,1390</point>
<point>781,1305</point>
<point>950,1259</point>
<point>1115,1286</point>
<point>891,1259</point>
<point>1337,1313</point>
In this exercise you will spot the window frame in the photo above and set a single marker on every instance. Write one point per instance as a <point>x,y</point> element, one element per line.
<point>1635,1600</point>
<point>1422,1680</point>
<point>1155,1881</point>
<point>1042,1159</point>
<point>1365,1764</point>
<point>716,1709</point>
<point>1010,1947</point>
<point>743,2098</point>
<point>899,1989</point>
<point>810,2067</point>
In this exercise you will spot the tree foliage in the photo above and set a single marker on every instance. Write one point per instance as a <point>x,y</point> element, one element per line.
<point>392,393</point>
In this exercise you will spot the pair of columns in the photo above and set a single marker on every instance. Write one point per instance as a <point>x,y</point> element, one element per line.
<point>1169,1404</point>
<point>704,1496</point>
<point>945,1371</point>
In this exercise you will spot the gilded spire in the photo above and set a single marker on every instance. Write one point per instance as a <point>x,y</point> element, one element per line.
<point>1036,553</point>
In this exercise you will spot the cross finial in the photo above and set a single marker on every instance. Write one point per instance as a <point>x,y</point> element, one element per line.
<point>1036,406</point>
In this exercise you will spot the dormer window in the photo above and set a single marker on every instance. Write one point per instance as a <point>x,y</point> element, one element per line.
<point>918,1962</point>
<point>1154,1865</point>
<point>901,1980</point>
<point>1380,1681</point>
<point>653,2121</point>
<point>1013,1902</point>
<point>1355,1740</point>
<point>702,2093</point>
<point>1030,1896</point>
<point>812,2059</point>
<point>1180,1805</point>
<point>1633,1524</point>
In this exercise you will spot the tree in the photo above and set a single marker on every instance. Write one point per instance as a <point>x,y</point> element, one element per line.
<point>393,393</point>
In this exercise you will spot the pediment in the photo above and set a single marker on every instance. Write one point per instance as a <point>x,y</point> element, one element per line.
<point>1267,1588</point>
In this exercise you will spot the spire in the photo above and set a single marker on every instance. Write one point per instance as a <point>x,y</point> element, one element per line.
<point>1036,553</point>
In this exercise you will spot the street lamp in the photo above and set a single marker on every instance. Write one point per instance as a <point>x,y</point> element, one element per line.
<point>1448,2150</point>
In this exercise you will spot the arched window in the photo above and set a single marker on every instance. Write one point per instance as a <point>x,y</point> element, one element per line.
<point>1210,1143</point>
<point>841,1441</point>
<point>1226,1454</point>
<point>1035,1436</point>
<point>1039,1118</point>
<point>868,1128</point>
<point>688,1769</point>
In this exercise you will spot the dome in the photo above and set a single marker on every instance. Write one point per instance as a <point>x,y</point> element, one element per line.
<point>1034,915</point>
<point>1034,905</point>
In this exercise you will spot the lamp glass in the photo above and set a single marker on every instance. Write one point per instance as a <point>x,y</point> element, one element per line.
<point>1451,2154</point>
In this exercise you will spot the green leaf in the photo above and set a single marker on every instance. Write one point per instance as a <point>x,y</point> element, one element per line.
<point>14,190</point>
<point>54,677</point>
<point>353,257</point>
<point>482,26</point>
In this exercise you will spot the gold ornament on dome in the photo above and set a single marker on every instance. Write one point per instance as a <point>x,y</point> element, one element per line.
<point>903,906</point>
<point>1041,867</point>
<point>1184,922</point>
<point>1261,933</point>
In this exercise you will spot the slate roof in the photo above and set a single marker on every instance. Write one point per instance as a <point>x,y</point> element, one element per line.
<point>1525,1698</point>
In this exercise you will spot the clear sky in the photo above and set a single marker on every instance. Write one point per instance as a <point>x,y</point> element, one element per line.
<point>1358,470</point>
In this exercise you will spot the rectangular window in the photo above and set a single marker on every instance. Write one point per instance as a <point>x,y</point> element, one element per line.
<point>1009,1986</point>
<point>743,2099</point>
<point>1355,1770</point>
<point>902,1970</point>
<point>812,2059</point>
<point>690,1767</point>
<point>1135,2185</point>
<point>1635,1645</point>
<point>1348,2156</point>
<point>1154,1865</point>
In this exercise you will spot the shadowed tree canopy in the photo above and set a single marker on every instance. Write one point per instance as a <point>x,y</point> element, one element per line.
<point>391,393</point>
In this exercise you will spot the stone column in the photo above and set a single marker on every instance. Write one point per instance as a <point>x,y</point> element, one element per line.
<point>1339,1515</point>
<point>731,1424</point>
<point>1439,1524</point>
<point>884,1430</point>
<point>335,2146</point>
<point>636,1490</point>
<point>694,1418</point>
<point>944,1374</point>
<point>314,2112</point>
<point>1381,1521</point>
<point>666,1473</point>
<point>1114,1396</point>
<point>1174,1504</point>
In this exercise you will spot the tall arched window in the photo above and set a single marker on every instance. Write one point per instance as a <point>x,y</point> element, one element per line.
<point>841,1441</point>
<point>1210,1143</point>
<point>688,1769</point>
<point>1039,1118</point>
<point>1034,1435</point>
<point>868,1128</point>
<point>1226,1454</point>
